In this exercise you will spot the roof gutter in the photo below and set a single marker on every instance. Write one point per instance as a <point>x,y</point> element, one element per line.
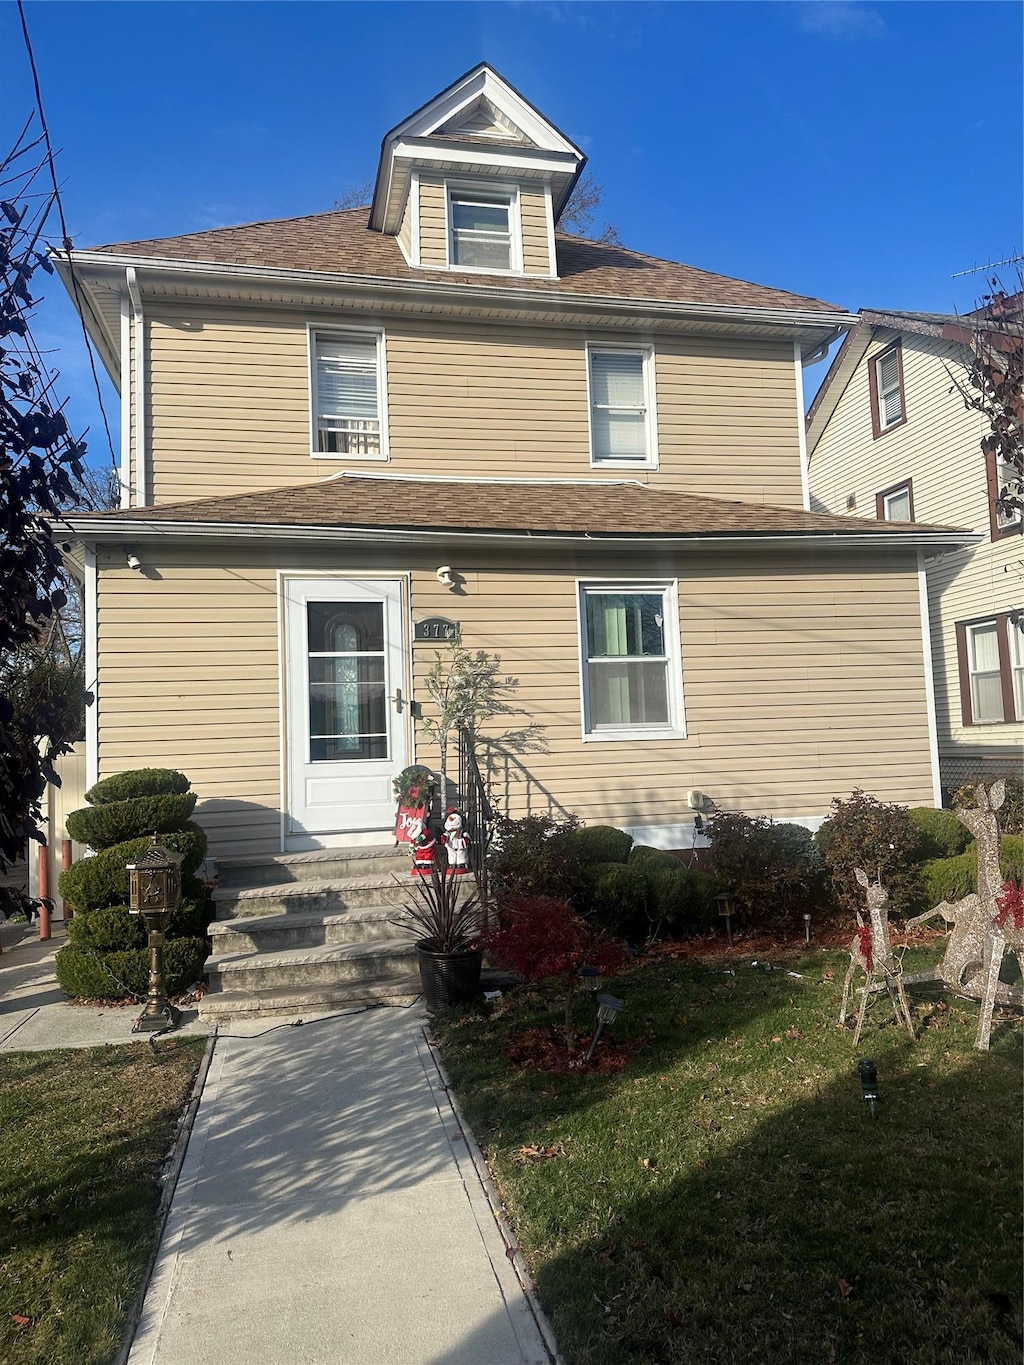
<point>432,291</point>
<point>94,531</point>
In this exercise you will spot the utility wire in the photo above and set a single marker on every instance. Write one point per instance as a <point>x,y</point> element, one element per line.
<point>66,242</point>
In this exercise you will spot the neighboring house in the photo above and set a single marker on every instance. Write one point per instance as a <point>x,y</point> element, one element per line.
<point>604,450</point>
<point>890,438</point>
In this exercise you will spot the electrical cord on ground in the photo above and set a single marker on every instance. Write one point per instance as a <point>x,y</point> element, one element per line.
<point>324,1018</point>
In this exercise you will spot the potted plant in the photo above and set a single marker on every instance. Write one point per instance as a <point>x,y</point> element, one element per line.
<point>448,920</point>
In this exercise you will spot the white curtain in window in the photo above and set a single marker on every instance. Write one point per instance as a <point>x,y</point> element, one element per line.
<point>986,686</point>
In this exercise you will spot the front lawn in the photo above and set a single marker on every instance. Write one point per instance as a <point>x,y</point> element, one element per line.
<point>83,1135</point>
<point>728,1197</point>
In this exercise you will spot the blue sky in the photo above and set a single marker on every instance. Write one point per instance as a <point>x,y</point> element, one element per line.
<point>858,152</point>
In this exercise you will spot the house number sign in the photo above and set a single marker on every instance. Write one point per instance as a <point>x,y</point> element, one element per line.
<point>435,628</point>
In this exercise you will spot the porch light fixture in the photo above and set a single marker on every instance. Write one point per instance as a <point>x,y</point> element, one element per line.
<point>726,909</point>
<point>154,893</point>
<point>133,561</point>
<point>445,576</point>
<point>869,1083</point>
<point>608,1010</point>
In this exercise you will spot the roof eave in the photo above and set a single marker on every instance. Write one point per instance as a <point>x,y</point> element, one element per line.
<point>96,530</point>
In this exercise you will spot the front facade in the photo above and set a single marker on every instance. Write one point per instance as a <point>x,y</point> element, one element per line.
<point>342,431</point>
<point>890,438</point>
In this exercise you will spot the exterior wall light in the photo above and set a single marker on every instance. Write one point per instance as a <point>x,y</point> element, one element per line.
<point>154,893</point>
<point>445,576</point>
<point>133,561</point>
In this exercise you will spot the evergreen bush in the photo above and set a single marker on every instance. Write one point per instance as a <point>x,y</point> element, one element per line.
<point>940,833</point>
<point>602,844</point>
<point>137,782</point>
<point>950,879</point>
<point>93,883</point>
<point>117,821</point>
<point>617,899</point>
<point>649,859</point>
<point>86,974</point>
<point>111,930</point>
<point>1010,814</point>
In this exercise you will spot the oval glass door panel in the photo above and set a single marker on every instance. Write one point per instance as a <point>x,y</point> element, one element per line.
<point>347,681</point>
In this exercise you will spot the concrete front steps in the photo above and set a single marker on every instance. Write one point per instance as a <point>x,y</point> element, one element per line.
<point>309,932</point>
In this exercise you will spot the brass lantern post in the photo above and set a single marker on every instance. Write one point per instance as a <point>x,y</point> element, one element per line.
<point>154,892</point>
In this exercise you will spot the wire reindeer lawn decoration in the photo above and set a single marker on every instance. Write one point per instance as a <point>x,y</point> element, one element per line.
<point>871,951</point>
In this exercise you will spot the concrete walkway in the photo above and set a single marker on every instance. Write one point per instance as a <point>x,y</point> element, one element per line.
<point>329,1212</point>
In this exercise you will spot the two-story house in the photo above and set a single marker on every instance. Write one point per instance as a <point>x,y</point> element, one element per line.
<point>890,439</point>
<point>338,427</point>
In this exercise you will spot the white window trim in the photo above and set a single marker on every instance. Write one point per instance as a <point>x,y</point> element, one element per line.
<point>1016,644</point>
<point>676,727</point>
<point>650,399</point>
<point>314,330</point>
<point>487,189</point>
<point>888,498</point>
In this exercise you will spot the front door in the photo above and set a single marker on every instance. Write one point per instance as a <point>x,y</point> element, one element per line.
<point>347,735</point>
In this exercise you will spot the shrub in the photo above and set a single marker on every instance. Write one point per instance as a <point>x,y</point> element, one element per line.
<point>92,883</point>
<point>649,859</point>
<point>681,900</point>
<point>940,833</point>
<point>536,856</point>
<point>879,837</point>
<point>616,899</point>
<point>541,937</point>
<point>950,879</point>
<point>137,782</point>
<point>111,930</point>
<point>769,868</point>
<point>118,821</point>
<point>1010,814</point>
<point>85,974</point>
<point>603,844</point>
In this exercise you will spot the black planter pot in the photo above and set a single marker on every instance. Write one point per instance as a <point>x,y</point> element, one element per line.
<point>449,978</point>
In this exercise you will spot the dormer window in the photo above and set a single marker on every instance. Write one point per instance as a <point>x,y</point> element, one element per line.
<point>480,235</point>
<point>885,378</point>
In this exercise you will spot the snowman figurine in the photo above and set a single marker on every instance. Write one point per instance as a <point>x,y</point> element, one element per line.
<point>456,844</point>
<point>424,849</point>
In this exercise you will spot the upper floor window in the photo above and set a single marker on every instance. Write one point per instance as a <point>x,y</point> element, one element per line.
<point>991,666</point>
<point>885,377</point>
<point>622,426</point>
<point>1003,479</point>
<point>348,395</point>
<point>896,503</point>
<point>480,230</point>
<point>632,683</point>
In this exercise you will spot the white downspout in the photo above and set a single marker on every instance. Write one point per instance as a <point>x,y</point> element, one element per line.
<point>801,424</point>
<point>139,328</point>
<point>929,679</point>
<point>125,472</point>
<point>92,713</point>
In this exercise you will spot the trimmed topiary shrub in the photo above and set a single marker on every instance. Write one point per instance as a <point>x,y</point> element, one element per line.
<point>114,823</point>
<point>93,883</point>
<point>616,899</point>
<point>86,974</point>
<point>137,782</point>
<point>681,900</point>
<point>649,859</point>
<point>603,844</point>
<point>112,930</point>
<point>536,856</point>
<point>950,879</point>
<point>879,837</point>
<point>940,833</point>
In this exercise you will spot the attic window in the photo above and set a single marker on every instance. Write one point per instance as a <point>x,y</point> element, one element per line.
<point>888,408</point>
<point>480,230</point>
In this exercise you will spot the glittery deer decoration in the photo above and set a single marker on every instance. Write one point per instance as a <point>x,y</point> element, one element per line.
<point>871,951</point>
<point>969,964</point>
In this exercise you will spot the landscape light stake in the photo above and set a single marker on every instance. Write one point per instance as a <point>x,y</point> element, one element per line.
<point>726,907</point>
<point>807,929</point>
<point>154,893</point>
<point>591,978</point>
<point>608,1009</point>
<point>869,1083</point>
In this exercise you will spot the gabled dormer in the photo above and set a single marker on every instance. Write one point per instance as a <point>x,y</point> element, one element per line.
<point>475,180</point>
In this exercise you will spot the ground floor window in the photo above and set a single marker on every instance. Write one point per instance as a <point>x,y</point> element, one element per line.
<point>631,673</point>
<point>990,655</point>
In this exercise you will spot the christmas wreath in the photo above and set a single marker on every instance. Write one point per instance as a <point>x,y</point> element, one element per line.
<point>415,786</point>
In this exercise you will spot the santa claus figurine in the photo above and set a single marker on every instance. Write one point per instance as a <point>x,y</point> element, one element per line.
<point>456,845</point>
<point>424,850</point>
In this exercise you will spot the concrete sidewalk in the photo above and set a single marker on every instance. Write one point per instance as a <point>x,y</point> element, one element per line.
<point>329,1212</point>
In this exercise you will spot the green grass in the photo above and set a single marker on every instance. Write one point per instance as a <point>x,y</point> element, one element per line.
<point>728,1198</point>
<point>83,1135</point>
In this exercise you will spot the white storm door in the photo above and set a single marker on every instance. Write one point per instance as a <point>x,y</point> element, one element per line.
<point>347,736</point>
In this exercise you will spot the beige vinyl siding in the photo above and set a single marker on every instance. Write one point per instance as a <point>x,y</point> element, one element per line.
<point>939,449</point>
<point>230,405</point>
<point>802,678</point>
<point>406,225</point>
<point>534,216</point>
<point>433,222</point>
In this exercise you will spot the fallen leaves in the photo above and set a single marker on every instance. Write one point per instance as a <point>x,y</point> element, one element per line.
<point>534,1153</point>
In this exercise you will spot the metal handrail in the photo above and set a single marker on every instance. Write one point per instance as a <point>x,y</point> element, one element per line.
<point>477,812</point>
